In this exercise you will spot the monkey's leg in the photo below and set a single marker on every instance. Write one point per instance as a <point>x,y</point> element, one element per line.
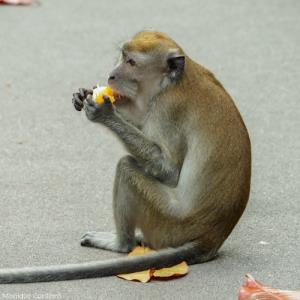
<point>125,208</point>
<point>152,202</point>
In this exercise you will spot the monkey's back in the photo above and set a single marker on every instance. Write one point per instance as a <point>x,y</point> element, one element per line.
<point>204,129</point>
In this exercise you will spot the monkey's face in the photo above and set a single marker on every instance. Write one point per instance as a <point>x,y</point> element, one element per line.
<point>144,75</point>
<point>136,75</point>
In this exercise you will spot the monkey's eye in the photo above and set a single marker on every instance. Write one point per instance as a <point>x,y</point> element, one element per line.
<point>131,62</point>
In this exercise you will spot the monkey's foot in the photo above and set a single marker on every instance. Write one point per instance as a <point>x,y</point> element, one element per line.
<point>106,241</point>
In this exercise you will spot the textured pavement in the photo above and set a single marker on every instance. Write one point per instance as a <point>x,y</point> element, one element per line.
<point>56,168</point>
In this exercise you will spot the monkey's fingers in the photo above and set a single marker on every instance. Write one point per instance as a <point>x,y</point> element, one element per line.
<point>89,91</point>
<point>77,102</point>
<point>107,100</point>
<point>90,101</point>
<point>84,92</point>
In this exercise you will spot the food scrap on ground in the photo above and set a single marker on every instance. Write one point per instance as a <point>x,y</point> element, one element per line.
<point>16,2</point>
<point>146,275</point>
<point>254,290</point>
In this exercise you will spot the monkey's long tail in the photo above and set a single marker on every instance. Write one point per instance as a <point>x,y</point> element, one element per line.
<point>159,259</point>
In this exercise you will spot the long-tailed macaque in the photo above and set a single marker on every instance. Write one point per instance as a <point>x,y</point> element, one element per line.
<point>185,181</point>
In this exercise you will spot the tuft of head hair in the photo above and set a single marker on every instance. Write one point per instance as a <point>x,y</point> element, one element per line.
<point>147,41</point>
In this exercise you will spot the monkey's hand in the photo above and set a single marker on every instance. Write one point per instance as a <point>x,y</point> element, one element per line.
<point>79,97</point>
<point>99,113</point>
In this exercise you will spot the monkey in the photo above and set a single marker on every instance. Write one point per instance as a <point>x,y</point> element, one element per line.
<point>185,181</point>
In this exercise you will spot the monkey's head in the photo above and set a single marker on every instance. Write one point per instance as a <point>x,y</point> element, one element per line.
<point>149,62</point>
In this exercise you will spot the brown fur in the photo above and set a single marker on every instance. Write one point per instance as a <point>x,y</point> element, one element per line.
<point>197,105</point>
<point>149,41</point>
<point>186,181</point>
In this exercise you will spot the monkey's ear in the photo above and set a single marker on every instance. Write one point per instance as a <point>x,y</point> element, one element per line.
<point>176,67</point>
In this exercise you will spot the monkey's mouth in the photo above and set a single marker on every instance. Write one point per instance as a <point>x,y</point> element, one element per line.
<point>120,98</point>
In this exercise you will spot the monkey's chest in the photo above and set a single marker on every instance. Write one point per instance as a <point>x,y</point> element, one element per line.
<point>162,132</point>
<point>133,113</point>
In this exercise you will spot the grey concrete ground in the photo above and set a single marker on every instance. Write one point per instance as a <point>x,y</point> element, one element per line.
<point>56,168</point>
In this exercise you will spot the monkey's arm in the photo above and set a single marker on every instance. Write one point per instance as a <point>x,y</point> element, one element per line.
<point>154,160</point>
<point>152,157</point>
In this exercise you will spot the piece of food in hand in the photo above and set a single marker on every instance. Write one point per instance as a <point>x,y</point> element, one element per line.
<point>101,91</point>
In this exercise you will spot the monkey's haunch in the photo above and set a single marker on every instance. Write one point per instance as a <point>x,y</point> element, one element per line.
<point>160,259</point>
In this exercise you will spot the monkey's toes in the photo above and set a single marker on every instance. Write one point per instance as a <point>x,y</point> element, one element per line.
<point>85,242</point>
<point>87,238</point>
